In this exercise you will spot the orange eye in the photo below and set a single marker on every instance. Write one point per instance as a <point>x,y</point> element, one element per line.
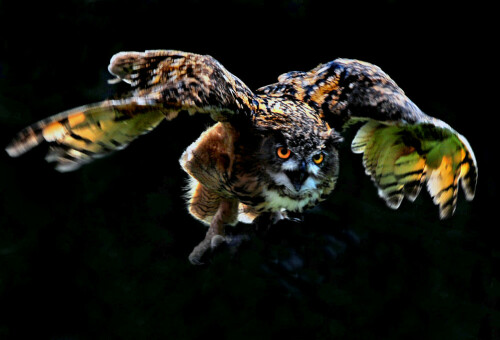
<point>283,152</point>
<point>318,158</point>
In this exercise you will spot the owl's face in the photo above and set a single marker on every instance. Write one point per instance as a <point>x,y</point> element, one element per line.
<point>302,164</point>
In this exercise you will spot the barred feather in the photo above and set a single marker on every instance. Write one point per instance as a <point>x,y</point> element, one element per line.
<point>401,158</point>
<point>164,83</point>
<point>78,136</point>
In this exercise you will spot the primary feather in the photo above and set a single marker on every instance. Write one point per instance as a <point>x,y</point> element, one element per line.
<point>400,159</point>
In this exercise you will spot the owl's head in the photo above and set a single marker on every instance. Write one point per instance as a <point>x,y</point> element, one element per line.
<point>300,159</point>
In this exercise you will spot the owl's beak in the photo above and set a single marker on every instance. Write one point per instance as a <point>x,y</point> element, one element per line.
<point>298,176</point>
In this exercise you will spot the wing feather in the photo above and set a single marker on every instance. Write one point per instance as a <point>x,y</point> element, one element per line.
<point>184,81</point>
<point>78,136</point>
<point>402,159</point>
<point>164,83</point>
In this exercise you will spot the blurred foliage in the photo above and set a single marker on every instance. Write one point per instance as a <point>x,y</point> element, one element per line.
<point>102,252</point>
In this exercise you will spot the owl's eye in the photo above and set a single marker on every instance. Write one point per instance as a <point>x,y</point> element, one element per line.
<point>283,153</point>
<point>318,158</point>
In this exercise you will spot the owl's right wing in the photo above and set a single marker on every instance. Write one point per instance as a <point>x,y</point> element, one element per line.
<point>164,83</point>
<point>403,148</point>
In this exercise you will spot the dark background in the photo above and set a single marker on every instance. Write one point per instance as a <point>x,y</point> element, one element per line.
<point>102,252</point>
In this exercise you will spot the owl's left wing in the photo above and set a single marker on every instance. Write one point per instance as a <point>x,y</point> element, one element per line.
<point>180,81</point>
<point>403,148</point>
<point>164,83</point>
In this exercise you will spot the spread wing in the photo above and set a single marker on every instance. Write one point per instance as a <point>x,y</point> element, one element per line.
<point>403,148</point>
<point>164,83</point>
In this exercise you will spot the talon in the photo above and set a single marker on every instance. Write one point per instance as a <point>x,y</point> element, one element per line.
<point>294,217</point>
<point>197,254</point>
<point>195,259</point>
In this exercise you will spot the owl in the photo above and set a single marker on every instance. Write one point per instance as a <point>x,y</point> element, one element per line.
<point>273,151</point>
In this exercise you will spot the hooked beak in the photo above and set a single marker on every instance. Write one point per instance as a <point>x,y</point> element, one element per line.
<point>298,176</point>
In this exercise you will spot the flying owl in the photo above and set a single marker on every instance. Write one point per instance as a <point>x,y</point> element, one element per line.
<point>272,151</point>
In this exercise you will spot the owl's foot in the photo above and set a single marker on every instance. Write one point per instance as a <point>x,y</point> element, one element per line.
<point>210,243</point>
<point>215,237</point>
<point>207,248</point>
<point>265,220</point>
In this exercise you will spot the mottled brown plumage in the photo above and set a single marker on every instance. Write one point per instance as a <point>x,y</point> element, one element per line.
<point>271,151</point>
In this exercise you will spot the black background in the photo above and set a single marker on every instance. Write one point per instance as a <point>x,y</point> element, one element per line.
<point>102,252</point>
